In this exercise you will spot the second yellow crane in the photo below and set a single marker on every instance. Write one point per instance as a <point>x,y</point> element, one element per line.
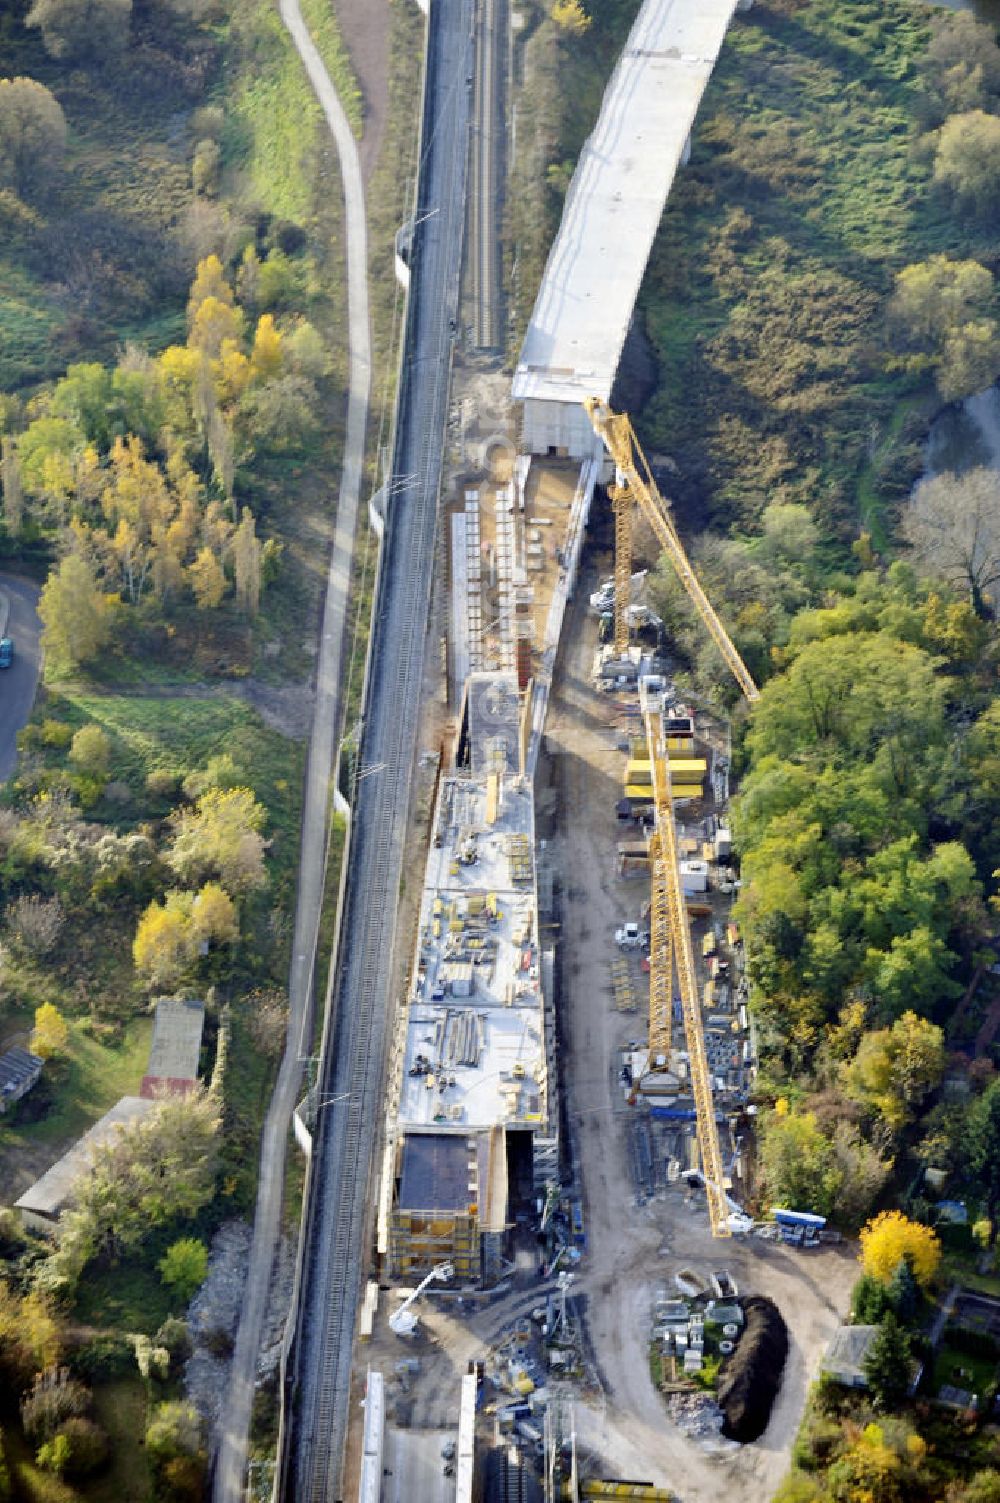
<point>670,934</point>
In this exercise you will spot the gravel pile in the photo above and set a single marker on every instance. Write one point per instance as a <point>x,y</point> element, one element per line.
<point>278,1305</point>
<point>213,1316</point>
<point>696,1415</point>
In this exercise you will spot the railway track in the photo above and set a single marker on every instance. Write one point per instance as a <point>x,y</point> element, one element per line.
<point>485,169</point>
<point>360,1006</point>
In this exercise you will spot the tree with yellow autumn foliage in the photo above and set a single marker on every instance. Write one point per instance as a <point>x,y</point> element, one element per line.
<point>890,1237</point>
<point>50,1033</point>
<point>570,16</point>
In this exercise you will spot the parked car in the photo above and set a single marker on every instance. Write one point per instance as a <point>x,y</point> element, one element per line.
<point>631,937</point>
<point>6,651</point>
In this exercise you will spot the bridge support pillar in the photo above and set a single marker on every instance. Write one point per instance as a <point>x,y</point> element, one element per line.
<point>686,153</point>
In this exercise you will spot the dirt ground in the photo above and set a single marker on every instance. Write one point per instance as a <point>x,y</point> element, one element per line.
<point>364,25</point>
<point>632,1251</point>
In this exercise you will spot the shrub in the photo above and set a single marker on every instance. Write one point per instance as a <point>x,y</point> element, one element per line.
<point>162,783</point>
<point>219,1342</point>
<point>90,751</point>
<point>56,733</point>
<point>54,1398</point>
<point>36,922</point>
<point>183,1267</point>
<point>88,1446</point>
<point>103,1359</point>
<point>175,1338</point>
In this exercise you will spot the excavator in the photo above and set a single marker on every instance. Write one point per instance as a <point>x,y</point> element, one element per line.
<point>670,934</point>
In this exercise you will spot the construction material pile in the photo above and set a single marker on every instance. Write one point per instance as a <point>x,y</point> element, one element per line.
<point>696,1415</point>
<point>749,1381</point>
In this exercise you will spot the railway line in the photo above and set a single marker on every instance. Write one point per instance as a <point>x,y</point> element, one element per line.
<point>318,1374</point>
<point>484,251</point>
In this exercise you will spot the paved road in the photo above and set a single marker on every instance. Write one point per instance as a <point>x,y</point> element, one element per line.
<point>232,1455</point>
<point>18,599</point>
<point>339,1219</point>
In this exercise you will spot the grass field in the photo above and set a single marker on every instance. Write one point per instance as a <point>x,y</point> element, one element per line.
<point>961,1370</point>
<point>765,294</point>
<point>121,1408</point>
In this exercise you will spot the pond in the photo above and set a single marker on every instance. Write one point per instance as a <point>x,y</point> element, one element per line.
<point>966,435</point>
<point>986,10</point>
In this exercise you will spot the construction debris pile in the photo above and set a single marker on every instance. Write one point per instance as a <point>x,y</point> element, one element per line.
<point>750,1379</point>
<point>696,1415</point>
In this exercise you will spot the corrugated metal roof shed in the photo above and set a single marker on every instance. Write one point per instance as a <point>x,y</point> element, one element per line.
<point>48,1196</point>
<point>176,1046</point>
<point>18,1069</point>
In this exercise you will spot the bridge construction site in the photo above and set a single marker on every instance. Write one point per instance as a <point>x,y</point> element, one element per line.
<point>544,1269</point>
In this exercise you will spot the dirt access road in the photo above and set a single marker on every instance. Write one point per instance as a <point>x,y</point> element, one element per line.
<point>631,1251</point>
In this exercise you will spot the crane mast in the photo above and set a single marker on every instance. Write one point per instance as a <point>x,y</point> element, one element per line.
<point>636,481</point>
<point>668,904</point>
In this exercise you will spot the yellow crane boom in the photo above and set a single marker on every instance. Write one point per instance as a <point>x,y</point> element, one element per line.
<point>669,931</point>
<point>637,483</point>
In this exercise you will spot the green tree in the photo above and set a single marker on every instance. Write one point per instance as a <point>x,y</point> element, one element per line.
<point>205,168</point>
<point>174,1435</point>
<point>896,1068</point>
<point>966,160</point>
<point>74,615</point>
<point>157,1169</point>
<point>183,1267</point>
<point>870,1301</point>
<point>90,750</point>
<point>13,490</point>
<point>221,837</point>
<point>32,133</point>
<point>934,297</point>
<point>887,1363</point>
<point>944,310</point>
<point>859,693</point>
<point>982,1145</point>
<point>797,1163</point>
<point>905,1293</point>
<point>983,1487</point>
<point>82,28</point>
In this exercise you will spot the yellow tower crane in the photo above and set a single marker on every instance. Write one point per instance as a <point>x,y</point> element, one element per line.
<point>670,934</point>
<point>670,945</point>
<point>635,483</point>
